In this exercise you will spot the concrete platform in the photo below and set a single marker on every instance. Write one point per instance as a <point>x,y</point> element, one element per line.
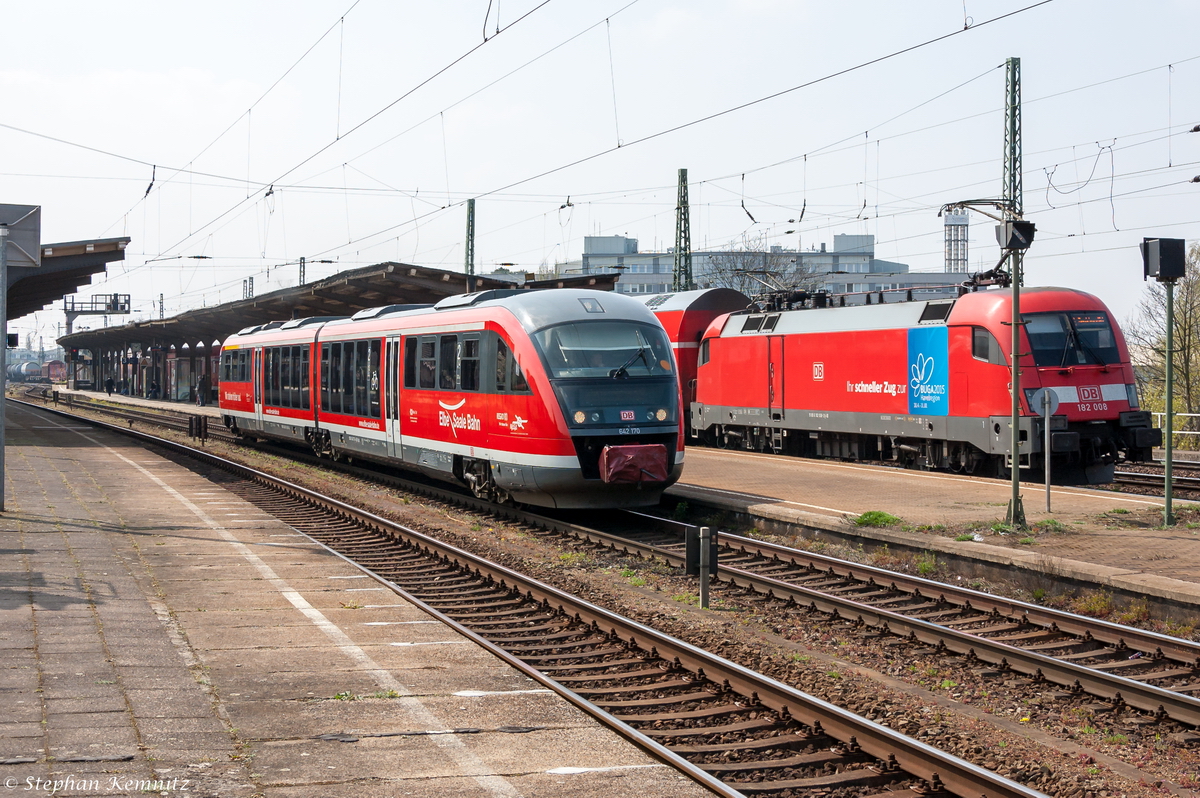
<point>1159,562</point>
<point>210,410</point>
<point>157,634</point>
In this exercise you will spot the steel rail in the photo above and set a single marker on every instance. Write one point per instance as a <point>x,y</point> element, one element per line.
<point>939,769</point>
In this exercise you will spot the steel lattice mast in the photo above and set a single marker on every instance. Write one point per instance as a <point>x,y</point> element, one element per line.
<point>1012,194</point>
<point>683,238</point>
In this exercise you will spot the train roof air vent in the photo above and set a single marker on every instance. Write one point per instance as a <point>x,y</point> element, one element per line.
<point>936,312</point>
<point>374,313</point>
<point>305,322</point>
<point>466,300</point>
<point>752,324</point>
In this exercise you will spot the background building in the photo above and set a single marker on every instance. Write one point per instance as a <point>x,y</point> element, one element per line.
<point>849,267</point>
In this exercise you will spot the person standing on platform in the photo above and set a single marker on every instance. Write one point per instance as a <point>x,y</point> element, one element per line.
<point>109,385</point>
<point>202,390</point>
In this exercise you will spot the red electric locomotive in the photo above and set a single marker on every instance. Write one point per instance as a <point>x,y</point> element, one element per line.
<point>563,398</point>
<point>923,382</point>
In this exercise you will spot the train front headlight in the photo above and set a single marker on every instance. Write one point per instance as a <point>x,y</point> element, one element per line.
<point>595,416</point>
<point>661,415</point>
<point>580,416</point>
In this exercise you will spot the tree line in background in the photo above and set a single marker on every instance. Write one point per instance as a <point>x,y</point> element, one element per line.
<point>1146,335</point>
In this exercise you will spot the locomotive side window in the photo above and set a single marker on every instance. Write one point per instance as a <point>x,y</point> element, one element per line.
<point>447,378</point>
<point>428,363</point>
<point>985,347</point>
<point>704,351</point>
<point>468,367</point>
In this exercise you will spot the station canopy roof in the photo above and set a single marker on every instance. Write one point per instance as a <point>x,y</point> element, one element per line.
<point>65,267</point>
<point>343,294</point>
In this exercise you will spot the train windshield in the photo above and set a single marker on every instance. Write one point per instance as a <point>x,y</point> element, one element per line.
<point>610,349</point>
<point>1080,338</point>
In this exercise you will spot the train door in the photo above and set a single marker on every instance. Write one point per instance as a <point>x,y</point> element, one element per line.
<point>775,377</point>
<point>256,376</point>
<point>392,381</point>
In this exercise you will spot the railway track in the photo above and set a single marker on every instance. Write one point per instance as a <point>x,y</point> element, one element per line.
<point>735,731</point>
<point>1118,665</point>
<point>1180,482</point>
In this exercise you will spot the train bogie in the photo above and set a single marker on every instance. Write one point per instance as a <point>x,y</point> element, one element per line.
<point>517,395</point>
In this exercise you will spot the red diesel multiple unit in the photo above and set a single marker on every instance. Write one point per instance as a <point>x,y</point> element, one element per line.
<point>921,382</point>
<point>563,398</point>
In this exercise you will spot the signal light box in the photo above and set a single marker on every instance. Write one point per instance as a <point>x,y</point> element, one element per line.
<point>1164,259</point>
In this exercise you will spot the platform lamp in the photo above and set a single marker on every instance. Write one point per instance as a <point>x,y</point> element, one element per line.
<point>1014,237</point>
<point>1165,259</point>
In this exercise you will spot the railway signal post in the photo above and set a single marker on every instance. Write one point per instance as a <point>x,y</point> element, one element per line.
<point>1165,260</point>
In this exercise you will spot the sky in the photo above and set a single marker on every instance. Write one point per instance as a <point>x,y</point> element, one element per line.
<point>228,139</point>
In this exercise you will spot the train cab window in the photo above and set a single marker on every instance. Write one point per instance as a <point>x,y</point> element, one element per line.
<point>704,351</point>
<point>1071,339</point>
<point>410,362</point>
<point>985,347</point>
<point>468,365</point>
<point>447,378</point>
<point>428,378</point>
<point>502,358</point>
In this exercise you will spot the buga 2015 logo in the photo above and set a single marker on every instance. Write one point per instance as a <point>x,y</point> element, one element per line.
<point>929,377</point>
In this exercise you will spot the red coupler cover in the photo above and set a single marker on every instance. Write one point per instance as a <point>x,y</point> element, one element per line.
<point>634,464</point>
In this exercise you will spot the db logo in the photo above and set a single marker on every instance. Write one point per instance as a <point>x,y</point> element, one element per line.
<point>627,415</point>
<point>1089,393</point>
<point>818,371</point>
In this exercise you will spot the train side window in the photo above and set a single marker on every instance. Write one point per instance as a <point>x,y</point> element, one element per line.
<point>325,376</point>
<point>447,378</point>
<point>704,351</point>
<point>357,369</point>
<point>428,363</point>
<point>304,380</point>
<point>410,362</point>
<point>469,364</point>
<point>502,358</point>
<point>985,347</point>
<point>335,377</point>
<point>243,365</point>
<point>272,376</point>
<point>518,381</point>
<point>372,406</point>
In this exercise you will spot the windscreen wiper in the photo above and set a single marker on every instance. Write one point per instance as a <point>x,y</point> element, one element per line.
<point>621,373</point>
